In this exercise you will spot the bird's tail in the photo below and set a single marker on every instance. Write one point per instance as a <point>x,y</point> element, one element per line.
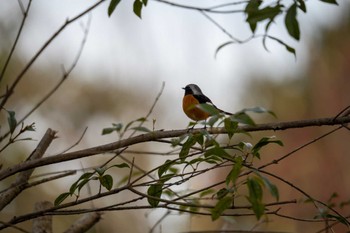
<point>227,113</point>
<point>224,112</point>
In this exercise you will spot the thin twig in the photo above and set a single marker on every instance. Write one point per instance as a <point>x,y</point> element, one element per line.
<point>159,221</point>
<point>61,81</point>
<point>305,194</point>
<point>299,148</point>
<point>46,44</point>
<point>61,174</point>
<point>25,14</point>
<point>222,28</point>
<point>131,170</point>
<point>206,9</point>
<point>14,227</point>
<point>151,109</point>
<point>76,143</point>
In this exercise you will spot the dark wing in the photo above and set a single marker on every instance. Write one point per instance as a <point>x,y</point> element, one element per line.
<point>205,100</point>
<point>202,99</point>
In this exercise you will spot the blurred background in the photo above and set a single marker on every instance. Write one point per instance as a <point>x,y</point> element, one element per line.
<point>121,70</point>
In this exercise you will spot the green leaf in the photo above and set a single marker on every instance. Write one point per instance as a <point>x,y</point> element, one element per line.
<point>257,15</point>
<point>288,48</point>
<point>30,127</point>
<point>121,165</point>
<point>255,188</point>
<point>302,5</point>
<point>213,159</point>
<point>12,122</point>
<point>291,22</point>
<point>100,170</point>
<point>230,126</point>
<point>271,187</point>
<point>330,1</point>
<point>259,110</point>
<point>112,6</point>
<point>206,192</point>
<point>155,190</point>
<point>222,193</point>
<point>217,150</point>
<point>263,142</point>
<point>165,167</point>
<point>339,218</point>
<point>186,147</point>
<point>255,196</point>
<point>107,131</point>
<point>81,184</point>
<point>115,127</point>
<point>128,125</point>
<point>222,205</point>
<point>199,137</point>
<point>142,129</point>
<point>107,181</point>
<point>212,110</point>
<point>167,177</point>
<point>61,198</point>
<point>145,2</point>
<point>234,173</point>
<point>251,8</point>
<point>84,177</point>
<point>242,117</point>
<point>195,204</point>
<point>213,119</point>
<point>138,7</point>
<point>177,141</point>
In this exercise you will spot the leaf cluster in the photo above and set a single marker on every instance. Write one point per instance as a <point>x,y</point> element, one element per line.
<point>98,174</point>
<point>203,148</point>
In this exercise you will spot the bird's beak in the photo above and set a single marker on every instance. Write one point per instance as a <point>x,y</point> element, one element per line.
<point>183,88</point>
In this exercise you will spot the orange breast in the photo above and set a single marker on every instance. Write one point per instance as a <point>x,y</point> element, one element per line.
<point>191,110</point>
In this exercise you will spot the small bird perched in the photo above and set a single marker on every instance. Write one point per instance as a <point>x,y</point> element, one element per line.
<point>194,97</point>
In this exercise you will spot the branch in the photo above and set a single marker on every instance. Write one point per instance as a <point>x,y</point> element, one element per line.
<point>159,134</point>
<point>207,9</point>
<point>151,109</point>
<point>25,14</point>
<point>64,76</point>
<point>22,179</point>
<point>47,43</point>
<point>84,223</point>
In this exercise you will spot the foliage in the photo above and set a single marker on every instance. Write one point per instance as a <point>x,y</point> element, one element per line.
<point>257,13</point>
<point>247,188</point>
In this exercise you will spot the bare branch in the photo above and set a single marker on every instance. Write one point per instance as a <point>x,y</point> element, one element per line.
<point>23,177</point>
<point>25,14</point>
<point>207,9</point>
<point>65,75</point>
<point>151,109</point>
<point>47,43</point>
<point>76,143</point>
<point>84,223</point>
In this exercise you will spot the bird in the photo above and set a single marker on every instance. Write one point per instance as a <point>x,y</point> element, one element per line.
<point>191,103</point>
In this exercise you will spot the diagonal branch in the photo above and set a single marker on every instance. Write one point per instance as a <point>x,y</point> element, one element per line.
<point>25,14</point>
<point>22,179</point>
<point>47,43</point>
